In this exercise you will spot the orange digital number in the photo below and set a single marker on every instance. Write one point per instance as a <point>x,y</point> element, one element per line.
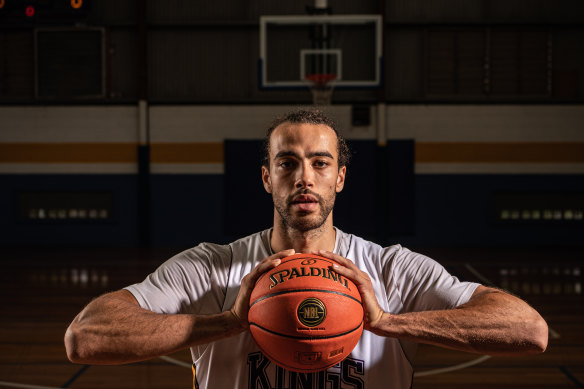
<point>75,3</point>
<point>2,3</point>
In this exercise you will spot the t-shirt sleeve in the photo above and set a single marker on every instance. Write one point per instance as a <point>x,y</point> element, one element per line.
<point>424,284</point>
<point>193,281</point>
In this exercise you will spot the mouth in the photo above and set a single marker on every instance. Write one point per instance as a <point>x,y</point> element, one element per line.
<point>304,199</point>
<point>305,202</point>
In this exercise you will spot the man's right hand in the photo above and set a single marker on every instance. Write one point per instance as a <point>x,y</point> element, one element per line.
<point>240,308</point>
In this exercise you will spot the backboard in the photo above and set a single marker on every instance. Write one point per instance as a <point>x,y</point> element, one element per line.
<point>348,48</point>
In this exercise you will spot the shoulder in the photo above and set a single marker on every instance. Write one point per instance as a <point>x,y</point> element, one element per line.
<point>378,261</point>
<point>209,250</point>
<point>252,246</point>
<point>387,260</point>
<point>248,240</point>
<point>355,248</point>
<point>214,251</point>
<point>204,254</point>
<point>211,258</point>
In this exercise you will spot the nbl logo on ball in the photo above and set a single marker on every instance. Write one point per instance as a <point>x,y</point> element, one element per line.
<point>311,312</point>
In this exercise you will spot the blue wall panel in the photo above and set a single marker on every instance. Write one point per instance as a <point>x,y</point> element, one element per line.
<point>120,231</point>
<point>458,210</point>
<point>186,209</point>
<point>450,211</point>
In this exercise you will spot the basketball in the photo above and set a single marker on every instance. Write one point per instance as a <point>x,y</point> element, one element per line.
<point>303,315</point>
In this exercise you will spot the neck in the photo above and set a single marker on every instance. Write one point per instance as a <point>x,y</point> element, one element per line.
<point>285,237</point>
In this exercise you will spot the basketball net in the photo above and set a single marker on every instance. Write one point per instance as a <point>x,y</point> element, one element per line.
<point>321,88</point>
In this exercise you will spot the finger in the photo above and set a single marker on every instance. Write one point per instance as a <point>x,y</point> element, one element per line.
<point>345,268</point>
<point>337,258</point>
<point>283,254</point>
<point>269,263</point>
<point>345,271</point>
<point>275,259</point>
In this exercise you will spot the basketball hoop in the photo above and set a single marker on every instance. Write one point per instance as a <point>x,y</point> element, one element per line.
<point>321,87</point>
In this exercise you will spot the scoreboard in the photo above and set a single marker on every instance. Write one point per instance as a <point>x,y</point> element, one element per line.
<point>44,12</point>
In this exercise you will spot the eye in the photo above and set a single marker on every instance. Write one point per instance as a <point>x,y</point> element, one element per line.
<point>321,163</point>
<point>285,164</point>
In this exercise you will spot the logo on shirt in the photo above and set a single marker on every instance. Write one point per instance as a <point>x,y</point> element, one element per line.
<point>262,374</point>
<point>311,312</point>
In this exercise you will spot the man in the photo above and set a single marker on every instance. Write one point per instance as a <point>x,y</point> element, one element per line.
<point>200,298</point>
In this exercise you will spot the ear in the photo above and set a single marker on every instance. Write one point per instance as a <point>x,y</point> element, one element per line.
<point>267,181</point>
<point>341,179</point>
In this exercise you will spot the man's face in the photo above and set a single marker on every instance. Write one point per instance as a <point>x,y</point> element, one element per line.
<point>304,176</point>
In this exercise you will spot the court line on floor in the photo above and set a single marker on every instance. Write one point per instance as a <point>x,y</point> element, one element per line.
<point>176,362</point>
<point>478,275</point>
<point>75,376</point>
<point>417,374</point>
<point>460,366</point>
<point>570,376</point>
<point>553,333</point>
<point>26,386</point>
<point>78,374</point>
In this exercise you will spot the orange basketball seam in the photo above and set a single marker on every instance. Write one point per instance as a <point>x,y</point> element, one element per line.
<point>303,290</point>
<point>307,337</point>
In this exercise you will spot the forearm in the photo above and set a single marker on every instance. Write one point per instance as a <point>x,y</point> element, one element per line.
<point>492,322</point>
<point>113,330</point>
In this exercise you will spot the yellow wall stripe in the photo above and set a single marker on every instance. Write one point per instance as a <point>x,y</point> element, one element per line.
<point>484,152</point>
<point>109,153</point>
<point>186,152</point>
<point>67,152</point>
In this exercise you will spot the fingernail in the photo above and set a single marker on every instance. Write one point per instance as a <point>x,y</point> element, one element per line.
<point>335,266</point>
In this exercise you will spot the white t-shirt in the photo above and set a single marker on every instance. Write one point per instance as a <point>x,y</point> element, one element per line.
<point>206,279</point>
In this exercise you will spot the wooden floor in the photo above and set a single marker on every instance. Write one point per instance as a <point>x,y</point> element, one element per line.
<point>42,290</point>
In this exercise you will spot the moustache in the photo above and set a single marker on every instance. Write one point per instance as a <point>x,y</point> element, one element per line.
<point>304,191</point>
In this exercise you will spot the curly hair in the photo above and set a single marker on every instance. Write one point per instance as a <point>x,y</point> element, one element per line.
<point>307,117</point>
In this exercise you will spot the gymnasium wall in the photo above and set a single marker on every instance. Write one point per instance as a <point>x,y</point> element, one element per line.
<point>129,123</point>
<point>460,159</point>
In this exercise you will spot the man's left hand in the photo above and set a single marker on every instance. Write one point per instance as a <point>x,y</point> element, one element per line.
<point>372,310</point>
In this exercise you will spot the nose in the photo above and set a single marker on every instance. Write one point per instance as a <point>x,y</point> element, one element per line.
<point>305,177</point>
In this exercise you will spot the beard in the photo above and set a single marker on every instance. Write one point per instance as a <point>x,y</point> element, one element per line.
<point>304,222</point>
